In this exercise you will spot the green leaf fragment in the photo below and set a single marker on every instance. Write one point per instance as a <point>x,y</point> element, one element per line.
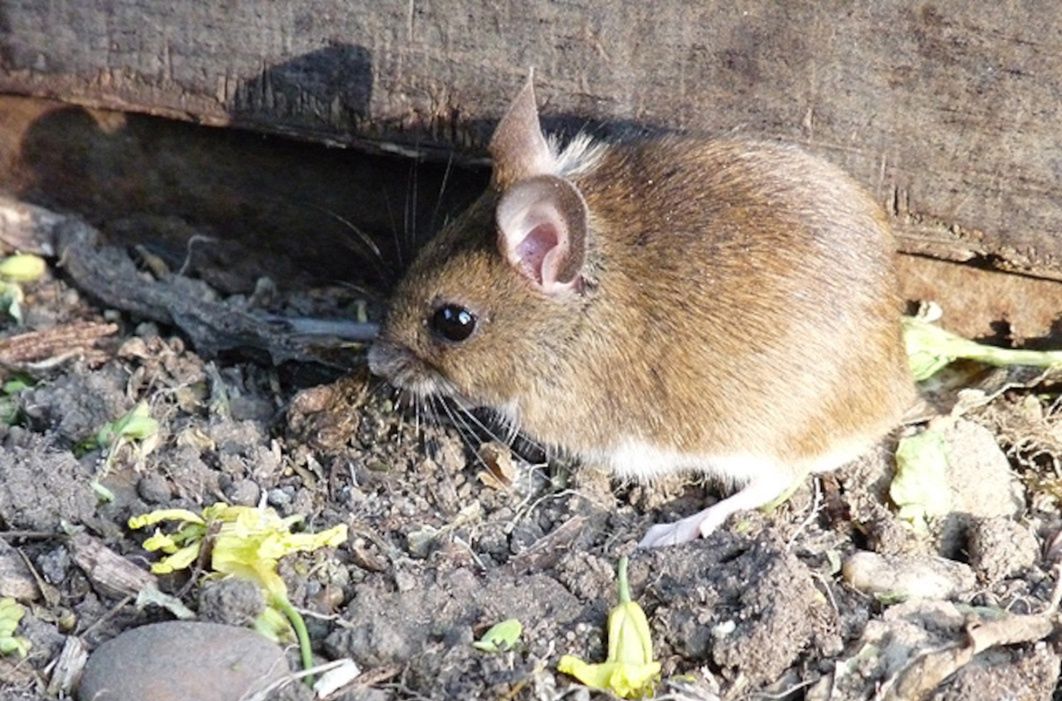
<point>105,495</point>
<point>501,636</point>
<point>920,488</point>
<point>16,385</point>
<point>8,411</point>
<point>11,613</point>
<point>931,348</point>
<point>274,625</point>
<point>136,425</point>
<point>11,298</point>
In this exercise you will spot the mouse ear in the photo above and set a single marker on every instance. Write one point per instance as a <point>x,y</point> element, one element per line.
<point>542,232</point>
<point>518,148</point>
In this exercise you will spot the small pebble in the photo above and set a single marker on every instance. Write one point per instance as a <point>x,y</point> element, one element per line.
<point>181,660</point>
<point>147,329</point>
<point>154,488</point>
<point>243,492</point>
<point>278,498</point>
<point>525,535</point>
<point>404,581</point>
<point>16,579</point>
<point>54,565</point>
<point>902,577</point>
<point>234,602</point>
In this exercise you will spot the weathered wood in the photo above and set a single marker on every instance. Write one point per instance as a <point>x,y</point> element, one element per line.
<point>949,110</point>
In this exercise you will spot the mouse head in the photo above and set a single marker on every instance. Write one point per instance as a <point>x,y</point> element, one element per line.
<point>492,297</point>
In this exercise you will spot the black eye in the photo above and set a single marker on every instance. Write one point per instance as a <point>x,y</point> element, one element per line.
<point>453,322</point>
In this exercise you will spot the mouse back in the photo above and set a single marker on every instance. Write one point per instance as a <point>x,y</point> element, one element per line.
<point>697,298</point>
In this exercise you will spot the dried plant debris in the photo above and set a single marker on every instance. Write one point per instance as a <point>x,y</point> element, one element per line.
<point>926,672</point>
<point>46,348</point>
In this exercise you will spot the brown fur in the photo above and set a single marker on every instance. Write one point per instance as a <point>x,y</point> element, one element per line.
<point>738,297</point>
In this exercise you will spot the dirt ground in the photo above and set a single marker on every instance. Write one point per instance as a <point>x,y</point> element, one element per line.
<point>450,532</point>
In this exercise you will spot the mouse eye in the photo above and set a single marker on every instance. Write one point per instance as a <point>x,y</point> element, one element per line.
<point>453,322</point>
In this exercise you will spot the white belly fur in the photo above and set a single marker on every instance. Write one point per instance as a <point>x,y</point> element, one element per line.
<point>638,460</point>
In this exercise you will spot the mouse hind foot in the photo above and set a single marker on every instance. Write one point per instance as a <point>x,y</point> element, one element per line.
<point>761,490</point>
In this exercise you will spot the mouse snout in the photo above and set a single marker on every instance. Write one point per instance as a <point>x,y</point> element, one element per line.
<point>385,358</point>
<point>401,367</point>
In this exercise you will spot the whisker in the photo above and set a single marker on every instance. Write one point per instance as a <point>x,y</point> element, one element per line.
<point>442,189</point>
<point>433,409</point>
<point>394,230</point>
<point>477,422</point>
<point>363,237</point>
<point>466,439</point>
<point>416,411</point>
<point>367,242</point>
<point>512,433</point>
<point>407,235</point>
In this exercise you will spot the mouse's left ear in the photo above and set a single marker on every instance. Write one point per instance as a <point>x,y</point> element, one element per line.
<point>542,232</point>
<point>518,148</point>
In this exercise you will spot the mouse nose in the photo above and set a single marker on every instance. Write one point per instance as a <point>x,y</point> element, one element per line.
<point>386,359</point>
<point>378,358</point>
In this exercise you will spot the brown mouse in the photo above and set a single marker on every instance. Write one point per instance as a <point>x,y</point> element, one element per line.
<point>662,304</point>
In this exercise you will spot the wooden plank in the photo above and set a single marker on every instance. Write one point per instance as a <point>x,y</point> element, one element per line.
<point>949,111</point>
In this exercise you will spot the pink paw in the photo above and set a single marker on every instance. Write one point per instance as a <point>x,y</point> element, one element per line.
<point>687,529</point>
<point>675,533</point>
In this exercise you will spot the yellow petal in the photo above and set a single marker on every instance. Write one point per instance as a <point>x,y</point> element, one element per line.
<point>231,551</point>
<point>160,541</point>
<point>290,521</point>
<point>633,680</point>
<point>628,635</point>
<point>241,558</point>
<point>154,517</point>
<point>334,536</point>
<point>624,680</point>
<point>593,675</point>
<point>264,576</point>
<point>178,560</point>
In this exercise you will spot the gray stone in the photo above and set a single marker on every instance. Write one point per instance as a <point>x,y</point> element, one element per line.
<point>182,660</point>
<point>154,488</point>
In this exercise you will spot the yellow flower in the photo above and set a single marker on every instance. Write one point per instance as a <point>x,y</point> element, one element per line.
<point>182,547</point>
<point>248,542</point>
<point>629,671</point>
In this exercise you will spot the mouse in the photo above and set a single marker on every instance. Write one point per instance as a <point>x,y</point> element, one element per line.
<point>662,303</point>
